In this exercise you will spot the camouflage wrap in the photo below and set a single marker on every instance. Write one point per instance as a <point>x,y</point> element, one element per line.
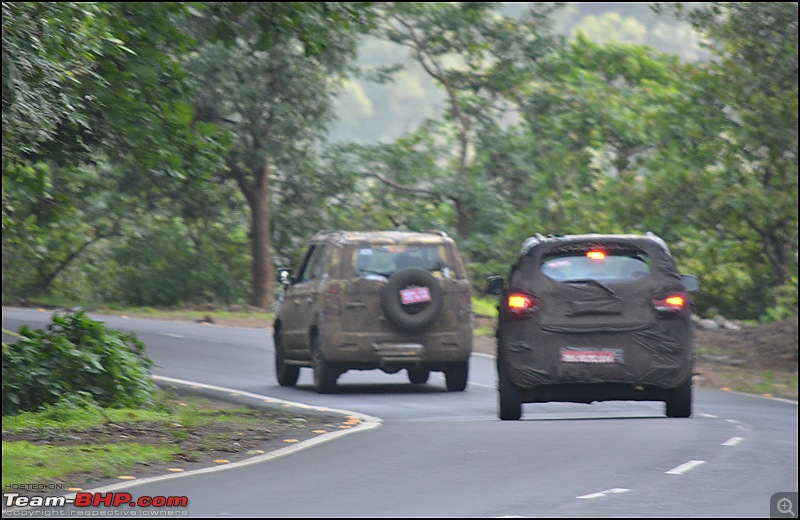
<point>344,308</point>
<point>573,320</point>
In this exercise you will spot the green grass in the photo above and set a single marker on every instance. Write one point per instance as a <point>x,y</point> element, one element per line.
<point>710,351</point>
<point>174,417</point>
<point>191,313</point>
<point>60,417</point>
<point>485,306</point>
<point>27,463</point>
<point>186,411</point>
<point>194,315</point>
<point>484,331</point>
<point>759,382</point>
<point>774,384</point>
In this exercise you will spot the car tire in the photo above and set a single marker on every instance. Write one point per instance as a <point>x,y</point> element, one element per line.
<point>287,375</point>
<point>679,400</point>
<point>509,399</point>
<point>325,374</point>
<point>415,316</point>
<point>418,376</point>
<point>456,375</point>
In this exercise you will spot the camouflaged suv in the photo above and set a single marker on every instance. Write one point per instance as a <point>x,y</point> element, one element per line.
<point>588,318</point>
<point>387,300</point>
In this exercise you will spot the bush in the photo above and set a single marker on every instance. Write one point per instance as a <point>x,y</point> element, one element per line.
<point>785,307</point>
<point>75,355</point>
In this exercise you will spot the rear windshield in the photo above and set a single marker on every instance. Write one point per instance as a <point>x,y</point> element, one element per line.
<point>385,260</point>
<point>596,265</point>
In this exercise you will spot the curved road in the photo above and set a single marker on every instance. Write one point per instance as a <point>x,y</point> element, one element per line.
<point>426,452</point>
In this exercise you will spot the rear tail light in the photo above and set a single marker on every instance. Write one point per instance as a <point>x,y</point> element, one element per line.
<point>673,303</point>
<point>465,299</point>
<point>332,298</point>
<point>521,304</point>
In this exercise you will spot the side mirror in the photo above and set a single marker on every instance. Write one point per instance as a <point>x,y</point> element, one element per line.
<point>284,276</point>
<point>691,282</point>
<point>494,285</point>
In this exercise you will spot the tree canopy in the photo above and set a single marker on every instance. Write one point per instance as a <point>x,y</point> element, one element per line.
<point>169,153</point>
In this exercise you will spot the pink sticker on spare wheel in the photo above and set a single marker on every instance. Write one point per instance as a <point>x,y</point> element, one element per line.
<point>416,295</point>
<point>587,356</point>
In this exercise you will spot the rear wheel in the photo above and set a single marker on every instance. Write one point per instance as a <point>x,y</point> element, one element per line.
<point>456,376</point>
<point>418,376</point>
<point>287,375</point>
<point>325,374</point>
<point>510,399</point>
<point>679,400</point>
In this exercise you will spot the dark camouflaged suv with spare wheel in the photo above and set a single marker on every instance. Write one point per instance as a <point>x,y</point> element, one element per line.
<point>387,300</point>
<point>588,318</point>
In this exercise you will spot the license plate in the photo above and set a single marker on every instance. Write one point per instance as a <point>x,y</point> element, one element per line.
<point>591,355</point>
<point>416,295</point>
<point>396,350</point>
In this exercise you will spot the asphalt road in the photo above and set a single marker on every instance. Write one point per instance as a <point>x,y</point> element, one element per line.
<point>424,452</point>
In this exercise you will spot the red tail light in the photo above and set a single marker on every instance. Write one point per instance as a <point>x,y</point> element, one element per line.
<point>521,303</point>
<point>332,299</point>
<point>596,254</point>
<point>465,299</point>
<point>672,303</point>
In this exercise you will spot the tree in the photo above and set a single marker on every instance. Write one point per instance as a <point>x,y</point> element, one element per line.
<point>743,159</point>
<point>267,74</point>
<point>479,58</point>
<point>86,85</point>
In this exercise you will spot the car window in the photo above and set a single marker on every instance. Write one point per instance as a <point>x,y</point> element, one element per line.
<point>312,264</point>
<point>597,265</point>
<point>332,262</point>
<point>385,260</point>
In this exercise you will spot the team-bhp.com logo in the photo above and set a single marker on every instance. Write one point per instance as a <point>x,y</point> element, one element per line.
<point>95,504</point>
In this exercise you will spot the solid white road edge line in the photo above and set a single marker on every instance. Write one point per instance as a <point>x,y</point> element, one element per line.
<point>368,422</point>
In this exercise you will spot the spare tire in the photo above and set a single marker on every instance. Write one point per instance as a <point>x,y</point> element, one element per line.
<point>420,311</point>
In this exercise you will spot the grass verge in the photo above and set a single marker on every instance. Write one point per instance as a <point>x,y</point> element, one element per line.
<point>76,444</point>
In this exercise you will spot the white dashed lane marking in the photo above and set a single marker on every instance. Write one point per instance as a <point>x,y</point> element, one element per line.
<point>612,491</point>
<point>683,468</point>
<point>733,441</point>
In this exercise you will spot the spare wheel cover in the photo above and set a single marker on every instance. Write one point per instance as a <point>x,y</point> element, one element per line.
<point>412,316</point>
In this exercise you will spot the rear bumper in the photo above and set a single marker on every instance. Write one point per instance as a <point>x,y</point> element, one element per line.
<point>392,350</point>
<point>594,392</point>
<point>647,361</point>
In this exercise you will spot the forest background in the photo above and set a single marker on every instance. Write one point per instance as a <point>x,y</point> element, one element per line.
<point>162,154</point>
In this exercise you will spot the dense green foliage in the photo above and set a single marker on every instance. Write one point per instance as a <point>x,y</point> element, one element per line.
<point>74,356</point>
<point>171,153</point>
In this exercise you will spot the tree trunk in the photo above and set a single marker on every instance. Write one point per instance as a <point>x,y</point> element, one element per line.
<point>463,221</point>
<point>258,195</point>
<point>261,240</point>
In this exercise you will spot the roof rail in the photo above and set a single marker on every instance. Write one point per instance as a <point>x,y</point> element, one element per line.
<point>658,240</point>
<point>529,242</point>
<point>437,232</point>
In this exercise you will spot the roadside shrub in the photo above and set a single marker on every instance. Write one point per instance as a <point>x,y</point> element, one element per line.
<point>75,355</point>
<point>785,306</point>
